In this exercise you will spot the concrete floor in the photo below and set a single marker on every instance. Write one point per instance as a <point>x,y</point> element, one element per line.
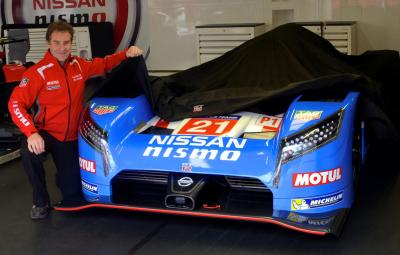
<point>372,228</point>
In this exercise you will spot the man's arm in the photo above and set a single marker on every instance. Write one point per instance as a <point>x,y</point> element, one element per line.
<point>133,51</point>
<point>99,66</point>
<point>22,99</point>
<point>36,143</point>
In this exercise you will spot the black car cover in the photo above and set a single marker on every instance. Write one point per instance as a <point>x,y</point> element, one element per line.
<point>266,74</point>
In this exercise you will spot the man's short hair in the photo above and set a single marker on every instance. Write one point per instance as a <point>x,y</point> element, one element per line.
<point>61,26</point>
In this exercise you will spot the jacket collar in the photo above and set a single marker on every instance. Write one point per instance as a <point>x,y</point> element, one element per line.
<point>50,58</point>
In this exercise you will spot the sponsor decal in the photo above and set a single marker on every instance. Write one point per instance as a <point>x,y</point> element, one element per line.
<point>316,178</point>
<point>77,77</point>
<point>198,108</point>
<point>307,115</point>
<point>53,87</point>
<point>228,117</point>
<point>185,181</point>
<point>104,109</point>
<point>186,167</point>
<point>19,115</point>
<point>90,187</point>
<point>298,218</point>
<point>87,165</point>
<point>56,82</point>
<point>294,217</point>
<point>124,14</point>
<point>310,203</point>
<point>184,146</point>
<point>215,125</point>
<point>269,123</point>
<point>92,199</point>
<point>320,222</point>
<point>23,82</point>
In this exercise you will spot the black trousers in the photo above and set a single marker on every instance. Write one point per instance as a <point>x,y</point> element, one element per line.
<point>65,157</point>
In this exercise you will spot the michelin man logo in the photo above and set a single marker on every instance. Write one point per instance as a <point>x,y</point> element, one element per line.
<point>315,202</point>
<point>299,204</point>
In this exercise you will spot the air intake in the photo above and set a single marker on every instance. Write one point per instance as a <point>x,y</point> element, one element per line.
<point>153,177</point>
<point>245,183</point>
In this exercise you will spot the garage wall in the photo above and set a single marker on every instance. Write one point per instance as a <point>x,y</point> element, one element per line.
<point>168,26</point>
<point>172,23</point>
<point>378,22</point>
<point>172,27</point>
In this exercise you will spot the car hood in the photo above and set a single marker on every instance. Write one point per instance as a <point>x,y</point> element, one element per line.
<point>247,146</point>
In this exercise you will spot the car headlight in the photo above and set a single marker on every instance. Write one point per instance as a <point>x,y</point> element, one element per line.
<point>91,131</point>
<point>308,140</point>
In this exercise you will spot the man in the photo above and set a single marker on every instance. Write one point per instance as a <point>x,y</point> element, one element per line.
<point>56,85</point>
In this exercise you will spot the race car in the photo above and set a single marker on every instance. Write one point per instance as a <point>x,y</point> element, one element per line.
<point>297,169</point>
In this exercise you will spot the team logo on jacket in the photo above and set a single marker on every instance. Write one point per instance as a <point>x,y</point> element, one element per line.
<point>310,203</point>
<point>53,85</point>
<point>316,178</point>
<point>77,77</point>
<point>87,165</point>
<point>19,114</point>
<point>104,109</point>
<point>23,82</point>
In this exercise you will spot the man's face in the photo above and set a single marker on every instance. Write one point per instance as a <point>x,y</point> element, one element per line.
<point>60,45</point>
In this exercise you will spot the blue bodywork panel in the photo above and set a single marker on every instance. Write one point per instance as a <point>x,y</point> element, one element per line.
<point>311,187</point>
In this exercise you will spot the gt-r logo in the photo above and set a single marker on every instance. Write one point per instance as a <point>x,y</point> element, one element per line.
<point>198,108</point>
<point>186,167</point>
<point>87,165</point>
<point>316,178</point>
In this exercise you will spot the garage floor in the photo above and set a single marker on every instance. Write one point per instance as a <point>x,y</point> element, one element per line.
<point>372,228</point>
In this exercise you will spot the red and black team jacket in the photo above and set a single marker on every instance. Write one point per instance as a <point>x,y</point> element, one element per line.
<point>58,92</point>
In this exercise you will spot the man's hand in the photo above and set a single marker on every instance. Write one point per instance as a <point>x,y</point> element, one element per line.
<point>36,144</point>
<point>133,51</point>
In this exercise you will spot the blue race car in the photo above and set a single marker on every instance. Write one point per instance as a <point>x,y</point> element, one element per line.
<point>297,169</point>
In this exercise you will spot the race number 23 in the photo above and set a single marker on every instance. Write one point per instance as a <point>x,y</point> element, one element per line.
<point>207,126</point>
